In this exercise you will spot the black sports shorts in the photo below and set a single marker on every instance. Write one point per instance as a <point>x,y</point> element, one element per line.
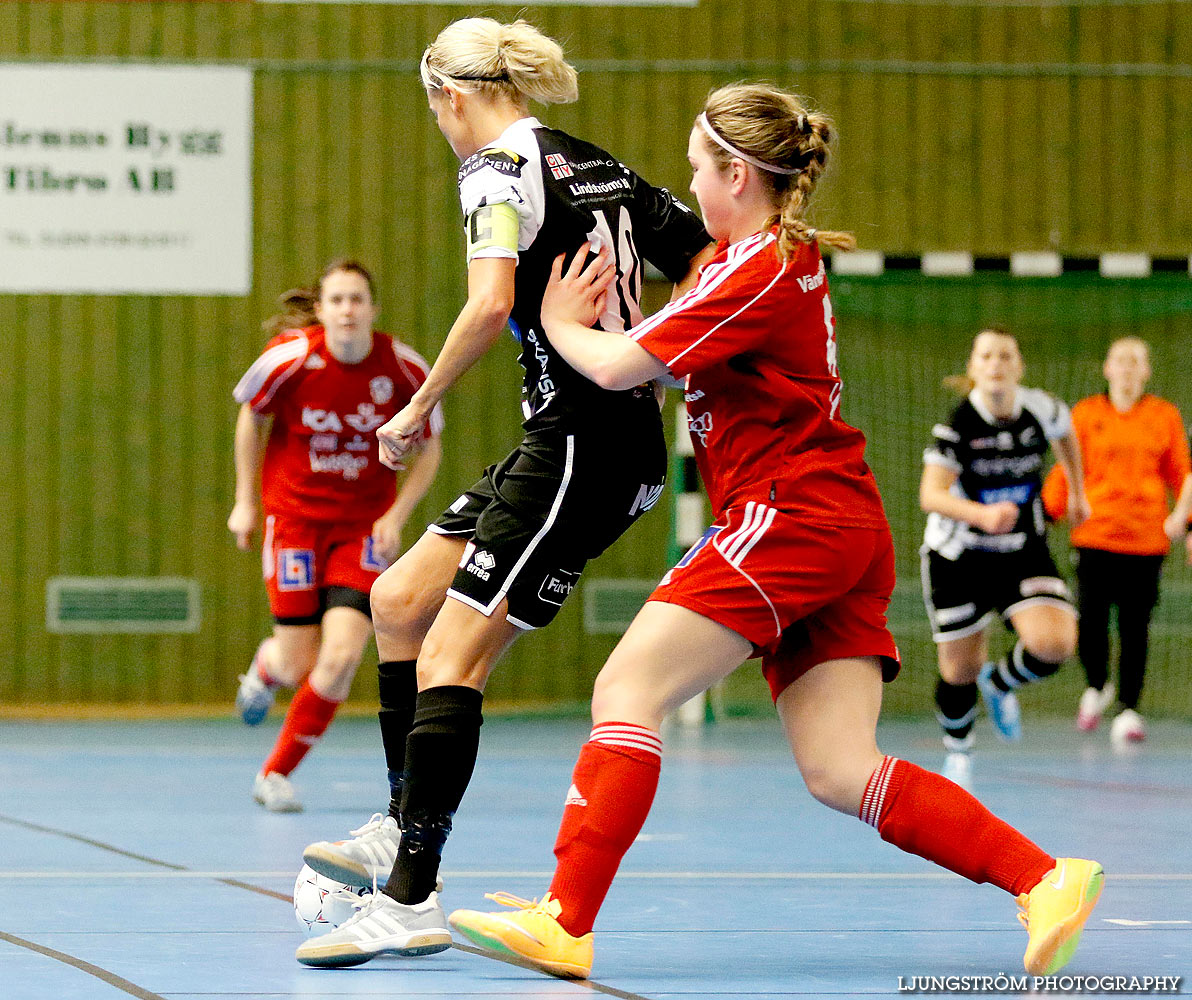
<point>962,594</point>
<point>533,520</point>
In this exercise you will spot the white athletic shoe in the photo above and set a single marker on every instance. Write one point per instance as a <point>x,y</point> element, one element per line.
<point>275,793</point>
<point>1092,706</point>
<point>380,926</point>
<point>254,697</point>
<point>366,857</point>
<point>1128,727</point>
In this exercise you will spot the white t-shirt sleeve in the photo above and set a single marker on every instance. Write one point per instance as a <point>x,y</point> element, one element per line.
<point>1051,411</point>
<point>502,176</point>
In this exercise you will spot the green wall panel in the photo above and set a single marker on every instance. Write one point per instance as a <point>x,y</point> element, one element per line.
<point>985,127</point>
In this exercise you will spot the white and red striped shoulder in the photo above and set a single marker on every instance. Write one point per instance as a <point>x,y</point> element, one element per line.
<point>283,356</point>
<point>726,313</point>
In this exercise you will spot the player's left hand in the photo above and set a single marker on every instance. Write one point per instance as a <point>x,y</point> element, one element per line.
<point>386,536</point>
<point>1079,510</point>
<point>577,295</point>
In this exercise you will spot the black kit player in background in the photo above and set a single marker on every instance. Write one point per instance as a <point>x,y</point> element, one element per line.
<point>985,550</point>
<point>512,547</point>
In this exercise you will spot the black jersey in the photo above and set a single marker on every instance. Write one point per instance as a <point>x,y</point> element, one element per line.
<point>567,191</point>
<point>995,460</point>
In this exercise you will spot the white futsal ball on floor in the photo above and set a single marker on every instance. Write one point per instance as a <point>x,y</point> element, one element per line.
<point>321,904</point>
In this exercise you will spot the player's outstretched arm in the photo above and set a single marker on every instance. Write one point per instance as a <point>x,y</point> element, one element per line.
<point>475,330</point>
<point>571,304</point>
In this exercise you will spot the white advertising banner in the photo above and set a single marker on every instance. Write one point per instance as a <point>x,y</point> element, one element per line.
<point>125,179</point>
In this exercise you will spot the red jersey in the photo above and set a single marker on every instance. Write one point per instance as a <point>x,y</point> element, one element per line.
<point>321,461</point>
<point>756,341</point>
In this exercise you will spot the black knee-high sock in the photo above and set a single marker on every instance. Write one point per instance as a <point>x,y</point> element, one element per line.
<point>957,704</point>
<point>1020,668</point>
<point>397,682</point>
<point>440,757</point>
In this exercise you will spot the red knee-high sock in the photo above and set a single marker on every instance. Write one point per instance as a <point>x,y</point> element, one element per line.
<point>926,814</point>
<point>307,719</point>
<point>612,788</point>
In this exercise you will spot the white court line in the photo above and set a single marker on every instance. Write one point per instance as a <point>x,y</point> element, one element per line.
<point>662,876</point>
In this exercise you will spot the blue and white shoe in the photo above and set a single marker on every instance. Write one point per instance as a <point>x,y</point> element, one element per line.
<point>254,697</point>
<point>1001,706</point>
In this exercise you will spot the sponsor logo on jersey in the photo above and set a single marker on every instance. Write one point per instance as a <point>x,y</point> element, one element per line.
<point>574,798</point>
<point>381,389</point>
<point>700,427</point>
<point>324,442</point>
<point>546,384</point>
<point>341,463</point>
<point>1010,465</point>
<point>370,558</point>
<point>813,281</point>
<point>295,569</point>
<point>365,418</point>
<point>604,187</point>
<point>557,587</point>
<point>503,161</point>
<point>558,166</point>
<point>592,164</point>
<point>321,421</point>
<point>315,362</point>
<point>646,498</point>
<point>1019,494</point>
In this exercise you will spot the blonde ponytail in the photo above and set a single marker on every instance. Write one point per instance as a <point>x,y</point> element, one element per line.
<point>515,61</point>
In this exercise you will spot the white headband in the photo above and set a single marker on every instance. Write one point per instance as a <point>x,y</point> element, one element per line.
<point>723,143</point>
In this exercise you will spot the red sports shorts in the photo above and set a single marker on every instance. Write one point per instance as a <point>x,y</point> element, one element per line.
<point>801,593</point>
<point>300,559</point>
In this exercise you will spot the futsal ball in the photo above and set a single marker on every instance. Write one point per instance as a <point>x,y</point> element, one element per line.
<point>321,904</point>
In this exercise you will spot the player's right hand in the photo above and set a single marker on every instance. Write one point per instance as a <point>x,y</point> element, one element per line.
<point>242,523</point>
<point>998,518</point>
<point>397,437</point>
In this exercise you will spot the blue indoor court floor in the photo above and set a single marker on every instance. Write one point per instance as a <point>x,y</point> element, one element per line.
<point>133,863</point>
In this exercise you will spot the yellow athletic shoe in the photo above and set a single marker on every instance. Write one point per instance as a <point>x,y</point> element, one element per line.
<point>1054,913</point>
<point>533,933</point>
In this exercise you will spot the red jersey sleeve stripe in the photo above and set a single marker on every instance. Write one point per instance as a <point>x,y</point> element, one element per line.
<point>415,368</point>
<point>724,322</point>
<point>711,278</point>
<point>413,364</point>
<point>701,292</point>
<point>288,356</point>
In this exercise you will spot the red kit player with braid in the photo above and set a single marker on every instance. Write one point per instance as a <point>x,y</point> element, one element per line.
<point>306,450</point>
<point>798,567</point>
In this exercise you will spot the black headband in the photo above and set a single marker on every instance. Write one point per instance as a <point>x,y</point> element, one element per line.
<point>501,77</point>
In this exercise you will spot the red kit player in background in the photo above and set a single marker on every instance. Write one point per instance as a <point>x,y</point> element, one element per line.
<point>798,567</point>
<point>306,452</point>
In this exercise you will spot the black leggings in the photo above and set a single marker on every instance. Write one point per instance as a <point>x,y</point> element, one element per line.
<point>1132,583</point>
